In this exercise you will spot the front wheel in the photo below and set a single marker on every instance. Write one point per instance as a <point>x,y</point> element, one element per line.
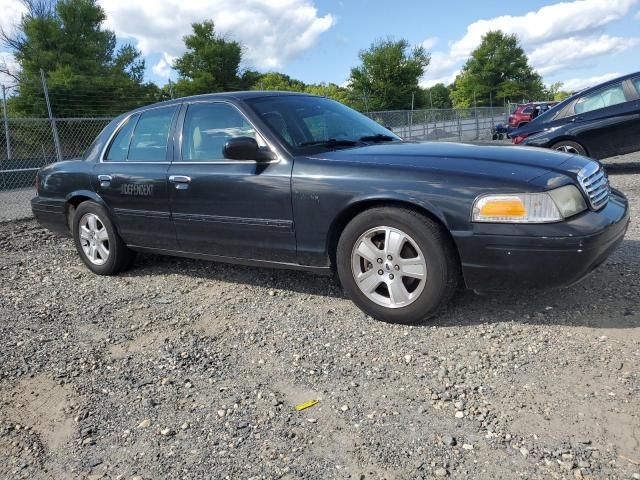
<point>397,265</point>
<point>568,146</point>
<point>99,245</point>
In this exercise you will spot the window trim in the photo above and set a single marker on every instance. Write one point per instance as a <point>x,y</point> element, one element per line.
<point>123,122</point>
<point>599,92</point>
<point>177,159</point>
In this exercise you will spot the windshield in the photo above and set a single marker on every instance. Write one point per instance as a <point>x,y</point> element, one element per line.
<point>308,124</point>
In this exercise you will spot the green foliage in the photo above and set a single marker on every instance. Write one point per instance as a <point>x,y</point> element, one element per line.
<point>278,81</point>
<point>86,74</point>
<point>330,90</point>
<point>436,97</point>
<point>388,75</point>
<point>555,92</point>
<point>210,64</point>
<point>497,71</point>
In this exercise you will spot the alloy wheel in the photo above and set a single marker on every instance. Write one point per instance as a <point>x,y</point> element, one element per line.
<point>94,239</point>
<point>567,149</point>
<point>388,267</point>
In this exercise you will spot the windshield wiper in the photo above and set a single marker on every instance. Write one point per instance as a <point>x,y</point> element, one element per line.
<point>377,138</point>
<point>332,142</point>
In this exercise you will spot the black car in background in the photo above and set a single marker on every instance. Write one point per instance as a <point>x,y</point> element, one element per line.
<point>599,122</point>
<point>297,181</point>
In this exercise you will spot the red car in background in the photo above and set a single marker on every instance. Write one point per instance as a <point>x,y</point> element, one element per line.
<point>522,114</point>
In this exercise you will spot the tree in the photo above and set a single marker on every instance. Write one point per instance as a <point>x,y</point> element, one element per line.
<point>554,92</point>
<point>278,81</point>
<point>497,71</point>
<point>210,64</point>
<point>330,90</point>
<point>86,73</point>
<point>388,75</point>
<point>436,97</point>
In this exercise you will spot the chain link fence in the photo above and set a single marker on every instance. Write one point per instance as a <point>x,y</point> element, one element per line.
<point>28,144</point>
<point>453,125</point>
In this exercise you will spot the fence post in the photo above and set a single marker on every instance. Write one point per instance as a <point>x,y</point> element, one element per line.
<point>424,125</point>
<point>459,126</point>
<point>6,132</point>
<point>477,123</point>
<point>54,128</point>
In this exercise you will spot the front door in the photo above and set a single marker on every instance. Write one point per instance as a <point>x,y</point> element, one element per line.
<point>132,179</point>
<point>231,208</point>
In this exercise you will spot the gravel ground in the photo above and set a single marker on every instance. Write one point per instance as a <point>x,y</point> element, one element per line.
<point>186,369</point>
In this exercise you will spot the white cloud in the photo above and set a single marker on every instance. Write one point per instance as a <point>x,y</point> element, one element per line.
<point>575,84</point>
<point>273,31</point>
<point>11,11</point>
<point>557,37</point>
<point>429,43</point>
<point>558,54</point>
<point>548,23</point>
<point>164,66</point>
<point>8,61</point>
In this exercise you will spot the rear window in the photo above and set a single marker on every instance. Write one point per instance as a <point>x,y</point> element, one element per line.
<point>607,97</point>
<point>149,140</point>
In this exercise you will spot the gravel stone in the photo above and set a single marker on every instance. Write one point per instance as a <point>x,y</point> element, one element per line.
<point>523,376</point>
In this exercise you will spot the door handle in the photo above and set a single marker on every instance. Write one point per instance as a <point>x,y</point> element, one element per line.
<point>181,181</point>
<point>105,180</point>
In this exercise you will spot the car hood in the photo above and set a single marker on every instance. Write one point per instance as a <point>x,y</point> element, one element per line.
<point>523,163</point>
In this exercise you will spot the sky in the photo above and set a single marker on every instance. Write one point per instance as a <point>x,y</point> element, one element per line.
<point>579,42</point>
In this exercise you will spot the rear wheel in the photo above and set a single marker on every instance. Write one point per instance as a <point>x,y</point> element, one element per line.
<point>568,146</point>
<point>397,265</point>
<point>99,245</point>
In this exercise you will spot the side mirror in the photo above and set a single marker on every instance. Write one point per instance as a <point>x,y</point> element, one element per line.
<point>246,148</point>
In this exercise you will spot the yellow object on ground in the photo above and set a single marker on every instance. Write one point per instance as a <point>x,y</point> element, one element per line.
<point>305,405</point>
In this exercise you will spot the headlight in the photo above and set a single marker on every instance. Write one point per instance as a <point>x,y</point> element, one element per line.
<point>545,207</point>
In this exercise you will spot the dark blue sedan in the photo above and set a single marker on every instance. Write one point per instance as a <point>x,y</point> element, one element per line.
<point>297,181</point>
<point>601,121</point>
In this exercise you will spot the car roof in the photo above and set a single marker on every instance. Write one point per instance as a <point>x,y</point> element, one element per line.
<point>240,95</point>
<point>608,82</point>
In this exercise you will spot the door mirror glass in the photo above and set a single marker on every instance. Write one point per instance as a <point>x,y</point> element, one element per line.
<point>246,148</point>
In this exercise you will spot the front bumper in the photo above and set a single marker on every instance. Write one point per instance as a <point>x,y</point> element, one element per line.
<point>506,257</point>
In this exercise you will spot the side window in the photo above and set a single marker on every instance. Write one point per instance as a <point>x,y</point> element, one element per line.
<point>208,126</point>
<point>149,141</point>
<point>607,97</point>
<point>527,110</point>
<point>636,83</point>
<point>120,144</point>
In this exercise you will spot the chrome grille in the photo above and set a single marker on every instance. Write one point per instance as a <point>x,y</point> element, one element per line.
<point>595,184</point>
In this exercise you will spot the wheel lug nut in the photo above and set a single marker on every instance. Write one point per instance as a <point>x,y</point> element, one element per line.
<point>379,260</point>
<point>389,257</point>
<point>397,267</point>
<point>380,272</point>
<point>391,276</point>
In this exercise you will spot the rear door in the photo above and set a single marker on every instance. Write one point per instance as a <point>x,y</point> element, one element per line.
<point>229,208</point>
<point>132,178</point>
<point>604,121</point>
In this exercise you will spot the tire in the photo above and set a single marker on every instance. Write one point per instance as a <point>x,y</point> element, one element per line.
<point>97,241</point>
<point>399,295</point>
<point>568,146</point>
